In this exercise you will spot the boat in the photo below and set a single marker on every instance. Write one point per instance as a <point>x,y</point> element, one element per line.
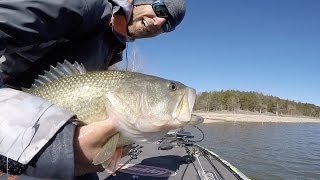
<point>176,156</point>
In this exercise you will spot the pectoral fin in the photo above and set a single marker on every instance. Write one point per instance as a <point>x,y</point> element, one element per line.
<point>111,165</point>
<point>107,150</point>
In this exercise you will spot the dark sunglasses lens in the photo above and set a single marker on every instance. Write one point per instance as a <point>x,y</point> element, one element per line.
<point>161,11</point>
<point>167,27</point>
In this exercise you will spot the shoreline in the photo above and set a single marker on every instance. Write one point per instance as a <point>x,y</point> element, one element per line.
<point>214,117</point>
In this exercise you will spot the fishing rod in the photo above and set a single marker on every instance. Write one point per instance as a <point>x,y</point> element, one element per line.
<point>184,139</point>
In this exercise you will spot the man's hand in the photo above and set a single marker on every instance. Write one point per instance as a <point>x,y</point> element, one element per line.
<point>88,141</point>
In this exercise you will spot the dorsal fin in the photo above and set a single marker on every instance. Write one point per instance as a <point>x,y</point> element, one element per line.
<point>54,73</point>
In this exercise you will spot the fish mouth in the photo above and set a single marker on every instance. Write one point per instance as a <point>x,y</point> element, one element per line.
<point>191,98</point>
<point>184,106</point>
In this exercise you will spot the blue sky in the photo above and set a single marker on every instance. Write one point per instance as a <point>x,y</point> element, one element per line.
<point>268,46</point>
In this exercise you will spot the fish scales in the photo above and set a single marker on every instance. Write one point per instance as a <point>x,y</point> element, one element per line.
<point>82,93</point>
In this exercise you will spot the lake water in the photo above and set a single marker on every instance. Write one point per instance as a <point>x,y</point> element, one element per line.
<point>265,151</point>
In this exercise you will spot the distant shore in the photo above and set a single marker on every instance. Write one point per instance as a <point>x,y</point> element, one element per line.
<point>213,117</point>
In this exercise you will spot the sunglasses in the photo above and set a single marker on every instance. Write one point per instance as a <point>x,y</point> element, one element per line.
<point>161,10</point>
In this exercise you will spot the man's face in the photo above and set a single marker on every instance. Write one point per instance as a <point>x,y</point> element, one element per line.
<point>144,22</point>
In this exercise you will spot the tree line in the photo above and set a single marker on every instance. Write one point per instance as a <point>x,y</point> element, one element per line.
<point>237,101</point>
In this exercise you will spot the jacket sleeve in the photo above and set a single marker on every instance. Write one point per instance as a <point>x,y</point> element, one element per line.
<point>27,124</point>
<point>26,23</point>
<point>56,159</point>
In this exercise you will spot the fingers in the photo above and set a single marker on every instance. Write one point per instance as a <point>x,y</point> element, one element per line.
<point>88,141</point>
<point>98,132</point>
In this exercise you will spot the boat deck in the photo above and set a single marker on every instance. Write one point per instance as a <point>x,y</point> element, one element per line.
<point>168,160</point>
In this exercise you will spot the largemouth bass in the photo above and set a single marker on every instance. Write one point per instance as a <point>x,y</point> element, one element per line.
<point>143,105</point>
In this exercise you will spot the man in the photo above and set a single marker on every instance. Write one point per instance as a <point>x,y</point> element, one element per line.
<point>37,138</point>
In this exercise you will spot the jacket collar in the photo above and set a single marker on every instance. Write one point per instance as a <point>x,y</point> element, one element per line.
<point>126,7</point>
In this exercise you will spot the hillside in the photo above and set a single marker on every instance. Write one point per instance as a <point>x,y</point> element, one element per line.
<point>240,101</point>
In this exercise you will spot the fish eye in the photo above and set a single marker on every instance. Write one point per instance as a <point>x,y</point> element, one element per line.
<point>173,86</point>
